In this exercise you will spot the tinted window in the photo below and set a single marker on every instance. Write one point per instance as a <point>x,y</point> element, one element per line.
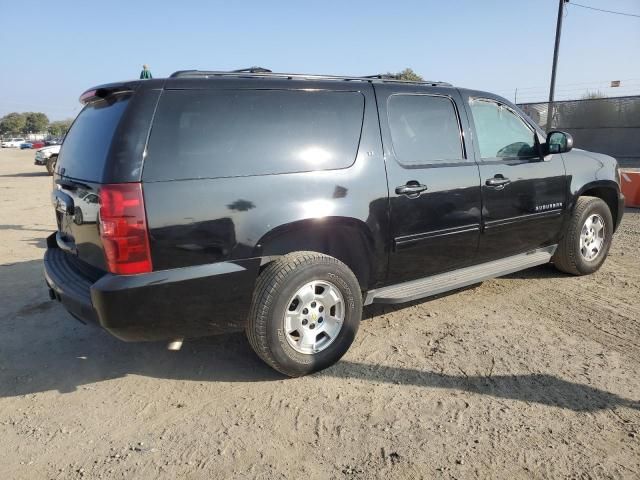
<point>424,129</point>
<point>204,133</point>
<point>500,132</point>
<point>87,144</point>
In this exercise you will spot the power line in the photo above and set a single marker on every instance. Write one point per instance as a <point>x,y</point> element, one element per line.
<point>592,82</point>
<point>605,11</point>
<point>568,94</point>
<point>575,93</point>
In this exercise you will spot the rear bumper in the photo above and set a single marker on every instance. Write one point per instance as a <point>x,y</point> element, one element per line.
<point>178,303</point>
<point>67,284</point>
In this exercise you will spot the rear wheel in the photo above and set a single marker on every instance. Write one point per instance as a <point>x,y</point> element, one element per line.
<point>305,313</point>
<point>586,242</point>
<point>51,164</point>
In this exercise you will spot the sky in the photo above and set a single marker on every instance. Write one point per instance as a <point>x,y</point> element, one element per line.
<point>52,52</point>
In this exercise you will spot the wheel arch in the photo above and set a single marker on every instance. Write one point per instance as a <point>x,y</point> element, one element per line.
<point>347,239</point>
<point>607,191</point>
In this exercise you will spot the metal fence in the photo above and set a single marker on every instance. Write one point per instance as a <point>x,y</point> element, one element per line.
<point>605,125</point>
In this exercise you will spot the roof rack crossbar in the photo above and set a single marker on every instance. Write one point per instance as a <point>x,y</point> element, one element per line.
<point>382,76</point>
<point>252,70</point>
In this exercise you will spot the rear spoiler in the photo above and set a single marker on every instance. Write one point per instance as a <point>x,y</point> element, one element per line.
<point>103,91</point>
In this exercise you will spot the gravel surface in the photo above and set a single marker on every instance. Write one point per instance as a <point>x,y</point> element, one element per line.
<point>535,375</point>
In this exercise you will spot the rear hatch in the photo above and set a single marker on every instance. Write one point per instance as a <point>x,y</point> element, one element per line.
<point>103,148</point>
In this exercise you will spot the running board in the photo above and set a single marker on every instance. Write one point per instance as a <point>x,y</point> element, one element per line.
<point>444,282</point>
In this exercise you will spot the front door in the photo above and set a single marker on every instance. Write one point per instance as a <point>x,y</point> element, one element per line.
<point>434,186</point>
<point>523,194</point>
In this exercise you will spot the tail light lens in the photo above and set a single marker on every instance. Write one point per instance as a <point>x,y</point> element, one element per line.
<point>123,229</point>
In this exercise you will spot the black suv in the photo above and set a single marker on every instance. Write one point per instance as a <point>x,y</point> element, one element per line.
<point>280,204</point>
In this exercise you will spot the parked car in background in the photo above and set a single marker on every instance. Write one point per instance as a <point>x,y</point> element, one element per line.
<point>53,141</point>
<point>86,205</point>
<point>47,156</point>
<point>13,143</point>
<point>28,145</point>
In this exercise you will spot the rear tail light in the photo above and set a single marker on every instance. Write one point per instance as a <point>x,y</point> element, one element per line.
<point>123,229</point>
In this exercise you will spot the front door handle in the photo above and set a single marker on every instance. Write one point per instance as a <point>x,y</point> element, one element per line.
<point>412,189</point>
<point>498,182</point>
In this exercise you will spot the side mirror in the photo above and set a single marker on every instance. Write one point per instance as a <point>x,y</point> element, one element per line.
<point>558,142</point>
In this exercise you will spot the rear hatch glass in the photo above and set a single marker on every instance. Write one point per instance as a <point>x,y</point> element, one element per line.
<point>79,173</point>
<point>86,147</point>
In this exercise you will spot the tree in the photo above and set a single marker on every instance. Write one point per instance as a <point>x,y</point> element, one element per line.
<point>35,122</point>
<point>59,128</point>
<point>407,74</point>
<point>593,95</point>
<point>12,123</point>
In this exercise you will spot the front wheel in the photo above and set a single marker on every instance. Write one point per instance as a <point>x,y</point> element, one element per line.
<point>587,240</point>
<point>305,313</point>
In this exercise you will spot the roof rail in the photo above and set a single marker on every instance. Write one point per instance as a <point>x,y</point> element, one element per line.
<point>260,72</point>
<point>389,77</point>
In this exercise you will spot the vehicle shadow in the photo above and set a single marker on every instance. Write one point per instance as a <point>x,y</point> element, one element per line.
<point>22,227</point>
<point>25,175</point>
<point>43,349</point>
<point>533,388</point>
<point>37,242</point>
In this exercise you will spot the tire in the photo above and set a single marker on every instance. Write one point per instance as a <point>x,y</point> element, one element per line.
<point>78,217</point>
<point>569,256</point>
<point>278,284</point>
<point>51,164</point>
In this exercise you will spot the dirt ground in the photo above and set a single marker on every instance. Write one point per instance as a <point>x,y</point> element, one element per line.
<point>535,375</point>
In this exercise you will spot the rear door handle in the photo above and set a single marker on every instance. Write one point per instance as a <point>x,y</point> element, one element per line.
<point>498,182</point>
<point>412,189</point>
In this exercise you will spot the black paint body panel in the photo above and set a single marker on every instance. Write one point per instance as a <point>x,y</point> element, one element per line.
<point>210,236</point>
<point>341,212</point>
<point>183,302</point>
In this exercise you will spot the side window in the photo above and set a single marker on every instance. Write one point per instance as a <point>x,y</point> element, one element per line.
<point>501,133</point>
<point>228,133</point>
<point>424,129</point>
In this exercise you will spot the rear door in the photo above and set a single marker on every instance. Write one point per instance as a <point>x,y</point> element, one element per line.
<point>523,194</point>
<point>434,187</point>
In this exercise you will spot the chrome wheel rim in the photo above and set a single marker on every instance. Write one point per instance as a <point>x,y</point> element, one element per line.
<point>592,237</point>
<point>314,317</point>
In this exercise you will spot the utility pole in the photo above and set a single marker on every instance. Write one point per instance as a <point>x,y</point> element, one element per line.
<point>556,49</point>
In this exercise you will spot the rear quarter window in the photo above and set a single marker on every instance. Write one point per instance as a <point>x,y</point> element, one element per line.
<point>230,133</point>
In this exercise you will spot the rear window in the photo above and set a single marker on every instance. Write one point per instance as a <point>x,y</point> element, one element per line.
<point>424,129</point>
<point>86,146</point>
<point>229,133</point>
